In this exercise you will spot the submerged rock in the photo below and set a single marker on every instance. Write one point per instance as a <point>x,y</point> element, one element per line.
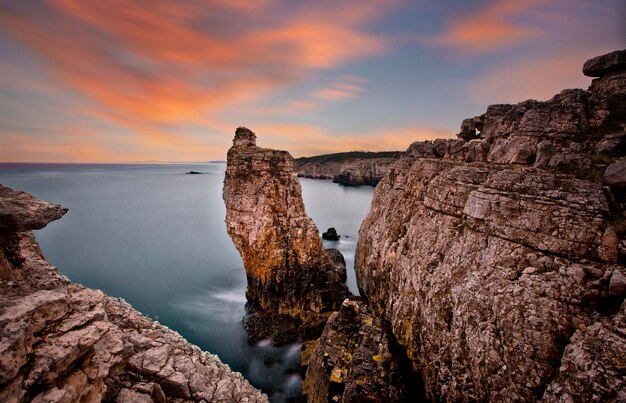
<point>293,283</point>
<point>62,342</point>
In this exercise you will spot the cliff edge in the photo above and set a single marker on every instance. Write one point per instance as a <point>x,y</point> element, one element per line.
<point>498,262</point>
<point>294,284</point>
<point>62,342</point>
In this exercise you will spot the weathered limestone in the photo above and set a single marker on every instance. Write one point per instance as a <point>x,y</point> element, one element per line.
<point>62,342</point>
<point>352,361</point>
<point>503,278</point>
<point>293,283</point>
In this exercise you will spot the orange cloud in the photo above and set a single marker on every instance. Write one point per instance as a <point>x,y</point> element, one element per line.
<point>307,140</point>
<point>494,26</point>
<point>151,66</point>
<point>345,88</point>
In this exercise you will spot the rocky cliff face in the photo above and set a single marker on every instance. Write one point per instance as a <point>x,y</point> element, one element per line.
<point>352,168</point>
<point>353,361</point>
<point>498,262</point>
<point>294,284</point>
<point>62,342</point>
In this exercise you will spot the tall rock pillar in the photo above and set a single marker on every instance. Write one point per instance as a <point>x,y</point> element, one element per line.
<point>294,284</point>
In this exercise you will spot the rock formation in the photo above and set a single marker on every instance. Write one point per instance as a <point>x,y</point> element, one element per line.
<point>498,262</point>
<point>62,342</point>
<point>352,361</point>
<point>352,168</point>
<point>294,284</point>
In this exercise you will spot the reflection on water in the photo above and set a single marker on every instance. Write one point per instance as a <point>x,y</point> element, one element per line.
<point>156,237</point>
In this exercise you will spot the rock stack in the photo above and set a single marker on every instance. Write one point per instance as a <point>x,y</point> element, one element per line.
<point>294,284</point>
<point>62,342</point>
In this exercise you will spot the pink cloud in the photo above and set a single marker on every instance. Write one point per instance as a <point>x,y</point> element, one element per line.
<point>150,65</point>
<point>493,25</point>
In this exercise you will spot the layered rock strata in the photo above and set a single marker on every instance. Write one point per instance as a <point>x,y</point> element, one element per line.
<point>294,284</point>
<point>62,342</point>
<point>498,262</point>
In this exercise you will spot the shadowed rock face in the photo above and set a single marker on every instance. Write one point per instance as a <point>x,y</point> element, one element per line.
<point>62,342</point>
<point>291,278</point>
<point>498,262</point>
<point>353,362</point>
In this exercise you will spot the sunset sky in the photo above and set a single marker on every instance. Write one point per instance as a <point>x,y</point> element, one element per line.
<point>124,80</point>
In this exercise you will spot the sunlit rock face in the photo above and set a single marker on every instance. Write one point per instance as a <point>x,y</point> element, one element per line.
<point>294,284</point>
<point>62,342</point>
<point>498,262</point>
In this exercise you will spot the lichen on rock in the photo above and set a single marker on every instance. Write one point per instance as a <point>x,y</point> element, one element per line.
<point>294,284</point>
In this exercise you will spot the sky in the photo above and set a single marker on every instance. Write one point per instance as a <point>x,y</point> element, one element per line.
<point>170,80</point>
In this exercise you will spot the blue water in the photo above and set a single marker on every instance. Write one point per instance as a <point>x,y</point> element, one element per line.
<point>156,237</point>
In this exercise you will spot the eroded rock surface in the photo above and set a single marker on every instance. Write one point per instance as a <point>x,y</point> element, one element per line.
<point>492,260</point>
<point>62,342</point>
<point>353,362</point>
<point>294,284</point>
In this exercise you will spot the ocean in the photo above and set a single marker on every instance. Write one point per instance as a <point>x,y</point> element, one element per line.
<point>155,236</point>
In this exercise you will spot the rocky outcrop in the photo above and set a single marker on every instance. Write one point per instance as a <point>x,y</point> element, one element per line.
<point>294,284</point>
<point>352,168</point>
<point>353,361</point>
<point>491,260</point>
<point>62,342</point>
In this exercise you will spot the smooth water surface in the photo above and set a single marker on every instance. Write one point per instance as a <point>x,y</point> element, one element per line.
<point>155,236</point>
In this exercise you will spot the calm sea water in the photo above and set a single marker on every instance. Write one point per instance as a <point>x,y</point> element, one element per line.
<point>156,237</point>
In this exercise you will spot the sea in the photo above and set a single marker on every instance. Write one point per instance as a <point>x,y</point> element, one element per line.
<point>155,236</point>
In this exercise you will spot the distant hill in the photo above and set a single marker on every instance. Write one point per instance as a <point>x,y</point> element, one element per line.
<point>350,155</point>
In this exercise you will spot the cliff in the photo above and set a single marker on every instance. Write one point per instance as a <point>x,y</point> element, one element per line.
<point>497,263</point>
<point>62,342</point>
<point>352,168</point>
<point>294,284</point>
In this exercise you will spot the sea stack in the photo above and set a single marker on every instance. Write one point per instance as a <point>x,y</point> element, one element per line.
<point>294,284</point>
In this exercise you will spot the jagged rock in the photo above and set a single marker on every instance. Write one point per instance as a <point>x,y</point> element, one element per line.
<point>352,361</point>
<point>545,151</point>
<point>615,174</point>
<point>612,144</point>
<point>440,147</point>
<point>617,285</point>
<point>605,64</point>
<point>476,150</point>
<point>20,211</point>
<point>421,149</point>
<point>62,342</point>
<point>291,278</point>
<point>482,267</point>
<point>330,234</point>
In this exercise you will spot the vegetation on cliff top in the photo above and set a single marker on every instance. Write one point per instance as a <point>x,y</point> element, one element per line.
<point>340,157</point>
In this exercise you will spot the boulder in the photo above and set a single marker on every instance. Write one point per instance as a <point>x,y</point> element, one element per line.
<point>615,174</point>
<point>330,234</point>
<point>602,65</point>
